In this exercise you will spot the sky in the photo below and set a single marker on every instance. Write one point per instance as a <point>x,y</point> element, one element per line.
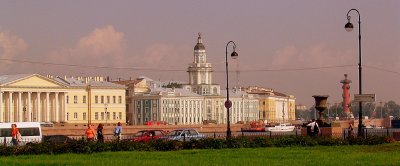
<point>295,47</point>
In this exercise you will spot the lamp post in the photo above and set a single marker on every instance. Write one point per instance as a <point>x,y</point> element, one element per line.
<point>228,103</point>
<point>105,111</point>
<point>24,110</point>
<point>381,108</point>
<point>329,117</point>
<point>336,115</point>
<point>349,27</point>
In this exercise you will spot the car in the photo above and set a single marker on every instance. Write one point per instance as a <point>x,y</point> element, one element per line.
<point>56,139</point>
<point>184,135</point>
<point>147,135</point>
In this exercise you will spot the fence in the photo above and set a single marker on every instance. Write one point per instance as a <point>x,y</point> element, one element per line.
<point>393,133</point>
<point>367,132</point>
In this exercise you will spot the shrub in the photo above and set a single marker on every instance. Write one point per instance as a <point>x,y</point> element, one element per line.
<point>370,140</point>
<point>165,145</point>
<point>262,142</point>
<point>238,142</point>
<point>6,150</point>
<point>82,146</point>
<point>294,141</point>
<point>210,143</point>
<point>328,141</point>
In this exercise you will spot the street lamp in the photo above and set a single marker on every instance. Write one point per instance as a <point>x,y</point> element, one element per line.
<point>105,111</point>
<point>228,103</point>
<point>349,27</point>
<point>381,108</point>
<point>24,110</point>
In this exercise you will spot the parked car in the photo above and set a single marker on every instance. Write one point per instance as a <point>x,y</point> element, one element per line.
<point>184,135</point>
<point>56,138</point>
<point>147,135</point>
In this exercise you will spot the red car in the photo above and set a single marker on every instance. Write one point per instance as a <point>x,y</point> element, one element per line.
<point>147,135</point>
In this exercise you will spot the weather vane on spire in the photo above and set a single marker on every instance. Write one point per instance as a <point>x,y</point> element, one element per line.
<point>199,38</point>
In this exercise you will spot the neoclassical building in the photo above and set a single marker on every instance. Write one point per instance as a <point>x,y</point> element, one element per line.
<point>274,107</point>
<point>37,98</point>
<point>200,73</point>
<point>199,100</point>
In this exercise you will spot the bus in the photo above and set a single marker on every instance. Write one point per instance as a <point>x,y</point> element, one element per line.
<point>30,132</point>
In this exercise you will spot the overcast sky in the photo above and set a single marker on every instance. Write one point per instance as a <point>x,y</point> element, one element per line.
<point>295,47</point>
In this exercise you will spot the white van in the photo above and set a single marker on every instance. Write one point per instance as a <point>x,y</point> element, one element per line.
<point>30,132</point>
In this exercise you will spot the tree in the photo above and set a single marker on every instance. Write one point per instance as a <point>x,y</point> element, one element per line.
<point>172,85</point>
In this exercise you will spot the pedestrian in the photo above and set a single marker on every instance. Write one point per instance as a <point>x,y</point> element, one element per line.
<point>118,131</point>
<point>351,130</point>
<point>90,134</point>
<point>314,128</point>
<point>100,136</point>
<point>15,135</point>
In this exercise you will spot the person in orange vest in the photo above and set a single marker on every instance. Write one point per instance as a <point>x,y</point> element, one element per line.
<point>15,135</point>
<point>90,133</point>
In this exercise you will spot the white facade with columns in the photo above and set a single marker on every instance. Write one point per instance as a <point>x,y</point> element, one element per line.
<point>37,98</point>
<point>23,98</point>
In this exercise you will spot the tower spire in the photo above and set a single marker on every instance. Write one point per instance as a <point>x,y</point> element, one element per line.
<point>199,38</point>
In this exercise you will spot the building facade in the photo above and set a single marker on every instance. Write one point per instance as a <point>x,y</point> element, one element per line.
<point>274,107</point>
<point>200,73</point>
<point>37,98</point>
<point>195,102</point>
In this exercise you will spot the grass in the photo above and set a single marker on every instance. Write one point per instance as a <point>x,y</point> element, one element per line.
<point>388,154</point>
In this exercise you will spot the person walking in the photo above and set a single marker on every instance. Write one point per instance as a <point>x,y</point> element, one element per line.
<point>100,136</point>
<point>118,131</point>
<point>15,135</point>
<point>90,134</point>
<point>314,128</point>
<point>351,130</point>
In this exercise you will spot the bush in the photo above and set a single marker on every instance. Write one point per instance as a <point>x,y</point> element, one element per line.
<point>238,142</point>
<point>211,143</point>
<point>6,150</point>
<point>262,142</point>
<point>165,145</point>
<point>82,146</point>
<point>328,141</point>
<point>370,140</point>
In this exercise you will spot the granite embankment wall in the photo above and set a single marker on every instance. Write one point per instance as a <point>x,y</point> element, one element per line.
<point>79,130</point>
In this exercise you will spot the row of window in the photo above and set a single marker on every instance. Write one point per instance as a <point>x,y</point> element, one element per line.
<point>96,99</point>
<point>96,116</point>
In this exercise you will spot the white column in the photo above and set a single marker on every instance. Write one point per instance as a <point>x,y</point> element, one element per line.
<point>2,119</point>
<point>29,109</point>
<point>57,109</point>
<point>65,107</point>
<point>20,113</point>
<point>10,107</point>
<point>38,112</point>
<point>47,107</point>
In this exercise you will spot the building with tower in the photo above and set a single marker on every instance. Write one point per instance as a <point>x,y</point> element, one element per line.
<point>200,73</point>
<point>198,100</point>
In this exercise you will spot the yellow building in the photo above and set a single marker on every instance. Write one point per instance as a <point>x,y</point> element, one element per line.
<point>274,107</point>
<point>137,86</point>
<point>37,98</point>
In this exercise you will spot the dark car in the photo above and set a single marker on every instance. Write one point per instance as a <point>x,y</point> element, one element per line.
<point>56,138</point>
<point>147,135</point>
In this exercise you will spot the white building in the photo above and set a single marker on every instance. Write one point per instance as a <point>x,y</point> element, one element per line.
<point>195,102</point>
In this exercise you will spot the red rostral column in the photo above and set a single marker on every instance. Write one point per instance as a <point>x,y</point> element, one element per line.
<point>346,96</point>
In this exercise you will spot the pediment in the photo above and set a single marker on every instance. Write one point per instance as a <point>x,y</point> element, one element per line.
<point>35,80</point>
